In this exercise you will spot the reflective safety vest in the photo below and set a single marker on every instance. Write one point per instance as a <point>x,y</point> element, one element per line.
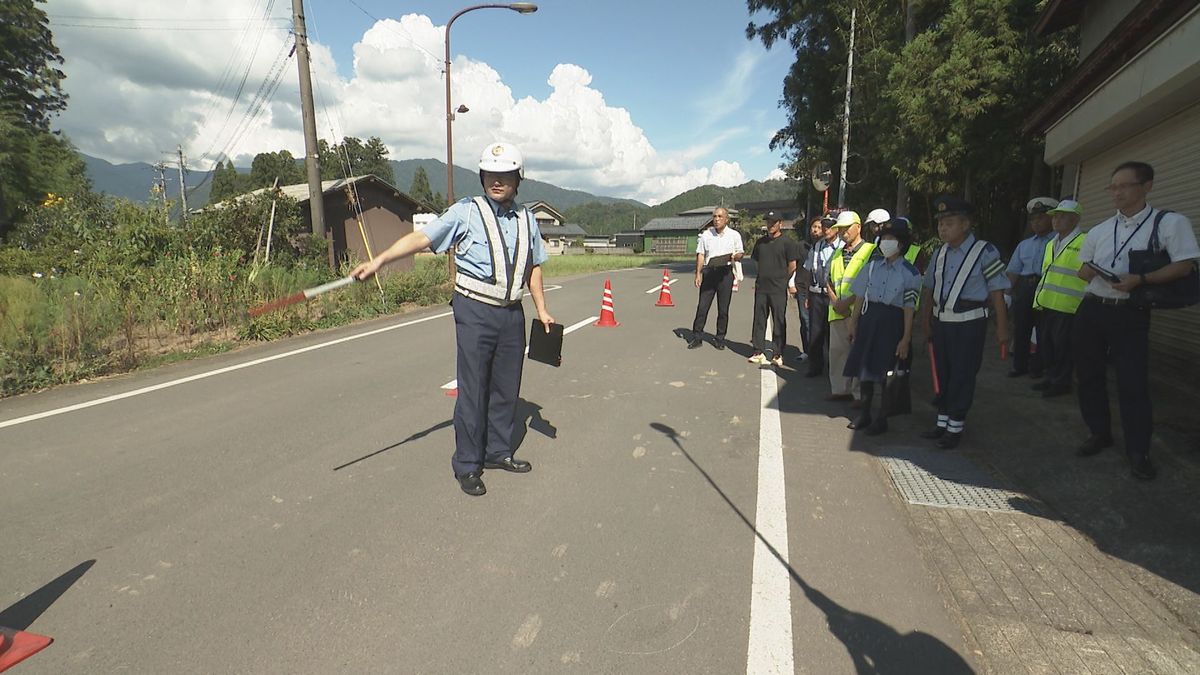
<point>504,287</point>
<point>1061,289</point>
<point>842,275</point>
<point>945,301</point>
<point>911,254</point>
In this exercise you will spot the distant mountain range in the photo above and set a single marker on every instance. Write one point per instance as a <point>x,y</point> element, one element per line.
<point>595,214</point>
<point>133,181</point>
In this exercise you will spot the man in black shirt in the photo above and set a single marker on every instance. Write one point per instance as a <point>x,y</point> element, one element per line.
<point>776,257</point>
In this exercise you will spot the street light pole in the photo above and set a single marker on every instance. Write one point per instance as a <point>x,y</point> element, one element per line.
<point>520,8</point>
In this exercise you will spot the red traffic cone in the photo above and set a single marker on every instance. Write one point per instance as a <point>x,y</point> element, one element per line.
<point>607,317</point>
<point>664,295</point>
<point>16,646</point>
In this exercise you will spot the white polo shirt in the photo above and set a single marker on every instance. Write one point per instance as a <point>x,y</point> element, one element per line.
<point>712,244</point>
<point>1109,243</point>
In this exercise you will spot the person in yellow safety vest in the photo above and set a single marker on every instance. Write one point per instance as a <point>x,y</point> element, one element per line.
<point>844,268</point>
<point>1058,296</point>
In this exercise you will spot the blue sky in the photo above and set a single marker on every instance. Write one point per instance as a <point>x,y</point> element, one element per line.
<point>648,98</point>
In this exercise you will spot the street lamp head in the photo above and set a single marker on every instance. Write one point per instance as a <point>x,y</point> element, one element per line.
<point>462,108</point>
<point>523,7</point>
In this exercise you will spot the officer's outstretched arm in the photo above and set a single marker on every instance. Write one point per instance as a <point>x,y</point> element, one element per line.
<point>404,247</point>
<point>539,296</point>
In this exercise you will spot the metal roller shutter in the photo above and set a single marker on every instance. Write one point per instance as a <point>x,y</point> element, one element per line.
<point>1173,148</point>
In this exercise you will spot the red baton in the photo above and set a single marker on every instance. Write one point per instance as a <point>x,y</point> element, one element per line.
<point>937,385</point>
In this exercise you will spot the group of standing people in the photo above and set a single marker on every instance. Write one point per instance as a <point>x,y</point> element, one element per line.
<point>862,285</point>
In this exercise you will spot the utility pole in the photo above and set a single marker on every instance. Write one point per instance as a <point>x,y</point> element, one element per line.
<point>316,198</point>
<point>160,186</point>
<point>846,120</point>
<point>910,31</point>
<point>182,186</point>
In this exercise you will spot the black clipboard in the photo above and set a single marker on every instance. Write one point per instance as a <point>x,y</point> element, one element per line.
<point>543,346</point>
<point>1108,275</point>
<point>720,261</point>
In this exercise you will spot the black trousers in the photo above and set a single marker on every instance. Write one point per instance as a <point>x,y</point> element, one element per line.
<point>718,283</point>
<point>1025,318</point>
<point>491,354</point>
<point>958,348</point>
<point>774,304</point>
<point>1054,344</point>
<point>818,330</point>
<point>1120,334</point>
<point>803,321</point>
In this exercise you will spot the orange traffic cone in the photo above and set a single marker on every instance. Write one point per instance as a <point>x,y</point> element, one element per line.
<point>664,295</point>
<point>607,317</point>
<point>16,646</point>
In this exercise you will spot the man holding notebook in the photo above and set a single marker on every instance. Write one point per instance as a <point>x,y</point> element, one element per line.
<point>498,253</point>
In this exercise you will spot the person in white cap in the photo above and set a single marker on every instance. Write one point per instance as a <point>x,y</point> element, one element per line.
<point>498,253</point>
<point>842,272</point>
<point>1024,271</point>
<point>1058,296</point>
<point>876,219</point>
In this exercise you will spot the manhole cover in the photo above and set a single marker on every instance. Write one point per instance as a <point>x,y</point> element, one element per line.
<point>932,478</point>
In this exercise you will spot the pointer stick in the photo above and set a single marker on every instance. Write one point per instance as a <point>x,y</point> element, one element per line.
<point>306,294</point>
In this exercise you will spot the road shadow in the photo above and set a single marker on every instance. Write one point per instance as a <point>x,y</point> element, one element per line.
<point>529,416</point>
<point>416,436</point>
<point>21,614</point>
<point>873,646</point>
<point>1027,443</point>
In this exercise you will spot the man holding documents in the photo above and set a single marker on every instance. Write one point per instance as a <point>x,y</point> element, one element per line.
<point>716,251</point>
<point>498,253</point>
<point>1109,328</point>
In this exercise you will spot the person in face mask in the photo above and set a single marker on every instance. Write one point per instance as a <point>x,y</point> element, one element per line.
<point>881,323</point>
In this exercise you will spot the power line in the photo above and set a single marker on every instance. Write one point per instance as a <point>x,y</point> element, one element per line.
<point>157,28</point>
<point>404,34</point>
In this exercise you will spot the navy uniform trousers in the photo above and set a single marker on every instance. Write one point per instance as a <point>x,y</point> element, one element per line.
<point>1024,319</point>
<point>714,282</point>
<point>958,347</point>
<point>1117,334</point>
<point>491,354</point>
<point>818,330</point>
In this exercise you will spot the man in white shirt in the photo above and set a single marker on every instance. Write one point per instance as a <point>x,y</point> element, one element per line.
<point>716,250</point>
<point>1109,328</point>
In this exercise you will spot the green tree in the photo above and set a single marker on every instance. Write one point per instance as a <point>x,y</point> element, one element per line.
<point>227,182</point>
<point>30,82</point>
<point>267,166</point>
<point>420,190</point>
<point>36,167</point>
<point>352,157</point>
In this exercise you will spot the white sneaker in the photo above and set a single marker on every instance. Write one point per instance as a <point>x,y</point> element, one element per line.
<point>759,358</point>
<point>777,361</point>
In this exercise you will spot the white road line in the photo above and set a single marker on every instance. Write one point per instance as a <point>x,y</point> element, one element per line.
<point>453,384</point>
<point>211,373</point>
<point>770,647</point>
<point>659,286</point>
<point>220,371</point>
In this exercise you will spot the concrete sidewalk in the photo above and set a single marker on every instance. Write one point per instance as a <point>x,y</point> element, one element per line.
<point>1076,567</point>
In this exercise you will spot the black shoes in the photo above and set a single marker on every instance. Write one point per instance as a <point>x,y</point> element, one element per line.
<point>472,484</point>
<point>1142,469</point>
<point>949,441</point>
<point>863,421</point>
<point>719,344</point>
<point>1093,445</point>
<point>695,343</point>
<point>510,464</point>
<point>934,433</point>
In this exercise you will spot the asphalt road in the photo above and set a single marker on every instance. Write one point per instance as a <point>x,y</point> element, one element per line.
<point>297,513</point>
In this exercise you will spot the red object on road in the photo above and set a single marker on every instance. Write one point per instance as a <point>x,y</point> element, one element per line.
<point>1003,351</point>
<point>608,318</point>
<point>937,385</point>
<point>16,646</point>
<point>664,294</point>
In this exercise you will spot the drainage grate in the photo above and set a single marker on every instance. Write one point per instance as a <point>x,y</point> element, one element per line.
<point>947,480</point>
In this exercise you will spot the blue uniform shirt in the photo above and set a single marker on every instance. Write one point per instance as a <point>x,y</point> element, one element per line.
<point>819,258</point>
<point>1027,258</point>
<point>985,278</point>
<point>462,225</point>
<point>896,283</point>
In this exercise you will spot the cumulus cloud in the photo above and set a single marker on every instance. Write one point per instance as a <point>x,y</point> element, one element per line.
<point>137,93</point>
<point>776,174</point>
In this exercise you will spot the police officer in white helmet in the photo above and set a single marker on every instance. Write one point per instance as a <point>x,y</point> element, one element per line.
<point>498,253</point>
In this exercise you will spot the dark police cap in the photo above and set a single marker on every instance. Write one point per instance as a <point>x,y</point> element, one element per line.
<point>772,216</point>
<point>898,227</point>
<point>951,205</point>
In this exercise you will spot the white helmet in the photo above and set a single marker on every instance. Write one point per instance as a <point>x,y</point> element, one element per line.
<point>878,216</point>
<point>502,158</point>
